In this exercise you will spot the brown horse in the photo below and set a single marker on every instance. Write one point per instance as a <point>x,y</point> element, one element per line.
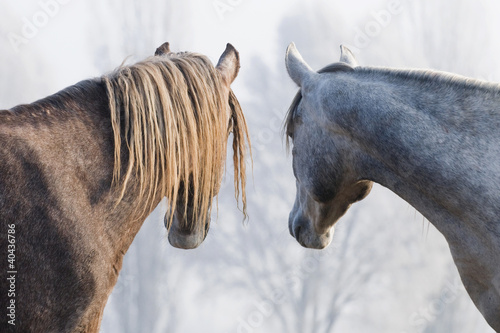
<point>80,171</point>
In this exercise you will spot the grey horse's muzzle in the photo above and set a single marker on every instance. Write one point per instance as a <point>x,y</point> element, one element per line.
<point>302,229</point>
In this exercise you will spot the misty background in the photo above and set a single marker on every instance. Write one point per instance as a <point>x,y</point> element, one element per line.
<point>387,270</point>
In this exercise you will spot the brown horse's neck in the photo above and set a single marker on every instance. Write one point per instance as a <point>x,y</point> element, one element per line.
<point>80,128</point>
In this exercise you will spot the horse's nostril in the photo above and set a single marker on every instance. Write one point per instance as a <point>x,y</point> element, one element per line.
<point>207,227</point>
<point>296,232</point>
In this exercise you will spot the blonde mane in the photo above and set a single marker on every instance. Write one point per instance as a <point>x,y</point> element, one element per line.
<point>169,113</point>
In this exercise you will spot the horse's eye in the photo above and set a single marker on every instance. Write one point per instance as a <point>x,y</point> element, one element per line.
<point>289,131</point>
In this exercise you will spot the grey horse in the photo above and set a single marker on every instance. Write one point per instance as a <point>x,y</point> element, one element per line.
<point>432,138</point>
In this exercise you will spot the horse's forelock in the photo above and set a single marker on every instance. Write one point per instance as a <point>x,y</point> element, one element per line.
<point>169,111</point>
<point>288,124</point>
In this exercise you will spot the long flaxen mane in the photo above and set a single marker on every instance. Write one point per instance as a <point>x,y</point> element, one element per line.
<point>172,114</point>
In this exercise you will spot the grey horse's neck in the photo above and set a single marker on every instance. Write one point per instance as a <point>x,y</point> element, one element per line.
<point>433,139</point>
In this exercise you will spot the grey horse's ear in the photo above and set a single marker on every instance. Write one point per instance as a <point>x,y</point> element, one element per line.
<point>297,68</point>
<point>347,56</point>
<point>163,49</point>
<point>229,64</point>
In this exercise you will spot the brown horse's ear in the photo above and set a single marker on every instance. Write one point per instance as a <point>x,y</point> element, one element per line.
<point>163,49</point>
<point>229,64</point>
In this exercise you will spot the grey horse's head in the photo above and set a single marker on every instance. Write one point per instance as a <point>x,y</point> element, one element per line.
<point>323,161</point>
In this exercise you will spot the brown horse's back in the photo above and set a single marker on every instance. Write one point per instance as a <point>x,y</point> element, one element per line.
<point>42,257</point>
<point>54,257</point>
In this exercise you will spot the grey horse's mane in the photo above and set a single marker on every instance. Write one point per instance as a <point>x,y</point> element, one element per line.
<point>429,78</point>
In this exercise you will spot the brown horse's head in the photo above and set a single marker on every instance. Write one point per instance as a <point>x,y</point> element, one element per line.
<point>177,113</point>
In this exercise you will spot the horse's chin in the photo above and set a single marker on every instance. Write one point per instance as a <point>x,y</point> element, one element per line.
<point>315,241</point>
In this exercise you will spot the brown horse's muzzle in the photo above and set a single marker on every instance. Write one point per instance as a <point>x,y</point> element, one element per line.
<point>184,234</point>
